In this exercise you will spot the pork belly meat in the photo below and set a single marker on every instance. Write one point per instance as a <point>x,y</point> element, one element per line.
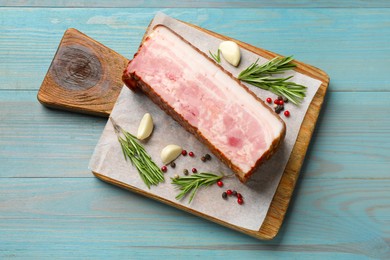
<point>206,100</point>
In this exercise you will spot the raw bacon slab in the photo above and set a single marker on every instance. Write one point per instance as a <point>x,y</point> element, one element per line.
<point>206,100</point>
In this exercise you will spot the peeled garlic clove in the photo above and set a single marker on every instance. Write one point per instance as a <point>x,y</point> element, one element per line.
<point>231,52</point>
<point>145,127</point>
<point>170,153</point>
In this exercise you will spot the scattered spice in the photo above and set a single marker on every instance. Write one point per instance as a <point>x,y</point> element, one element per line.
<point>278,105</point>
<point>176,176</point>
<point>185,171</point>
<point>191,154</point>
<point>173,164</point>
<point>205,158</point>
<point>184,152</point>
<point>164,168</point>
<point>240,199</point>
<point>194,170</point>
<point>278,109</point>
<point>220,183</point>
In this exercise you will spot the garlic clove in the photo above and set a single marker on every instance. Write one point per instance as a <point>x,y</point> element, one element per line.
<point>231,52</point>
<point>145,128</point>
<point>170,153</point>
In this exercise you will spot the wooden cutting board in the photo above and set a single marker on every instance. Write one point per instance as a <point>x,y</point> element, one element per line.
<point>85,77</point>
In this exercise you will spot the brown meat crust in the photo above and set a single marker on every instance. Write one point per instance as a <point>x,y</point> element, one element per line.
<point>133,81</point>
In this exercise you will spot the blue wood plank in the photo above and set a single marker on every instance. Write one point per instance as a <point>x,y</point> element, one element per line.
<point>352,137</point>
<point>198,3</point>
<point>40,142</point>
<point>351,45</point>
<point>340,218</point>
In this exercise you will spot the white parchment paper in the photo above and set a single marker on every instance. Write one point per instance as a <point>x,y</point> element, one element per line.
<point>130,107</point>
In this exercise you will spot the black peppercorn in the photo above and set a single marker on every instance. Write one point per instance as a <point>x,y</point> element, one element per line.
<point>207,156</point>
<point>185,171</point>
<point>173,164</point>
<point>234,193</point>
<point>203,159</point>
<point>224,195</point>
<point>278,109</point>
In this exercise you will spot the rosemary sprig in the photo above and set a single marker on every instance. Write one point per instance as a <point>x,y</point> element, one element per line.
<point>191,184</point>
<point>260,76</point>
<point>149,172</point>
<point>216,57</point>
<point>275,66</point>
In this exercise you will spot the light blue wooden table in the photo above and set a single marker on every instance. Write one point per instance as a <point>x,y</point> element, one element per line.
<point>51,206</point>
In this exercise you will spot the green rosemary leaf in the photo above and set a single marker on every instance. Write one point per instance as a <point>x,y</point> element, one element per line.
<point>216,57</point>
<point>189,188</point>
<point>261,76</point>
<point>123,148</point>
<point>194,190</point>
<point>149,172</point>
<point>191,184</point>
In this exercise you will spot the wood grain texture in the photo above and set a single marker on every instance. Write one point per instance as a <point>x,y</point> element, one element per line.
<point>53,207</point>
<point>84,76</point>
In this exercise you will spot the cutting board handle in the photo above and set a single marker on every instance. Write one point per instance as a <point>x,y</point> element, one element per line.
<point>84,77</point>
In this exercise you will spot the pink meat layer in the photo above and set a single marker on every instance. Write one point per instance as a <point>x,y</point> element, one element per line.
<point>224,112</point>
